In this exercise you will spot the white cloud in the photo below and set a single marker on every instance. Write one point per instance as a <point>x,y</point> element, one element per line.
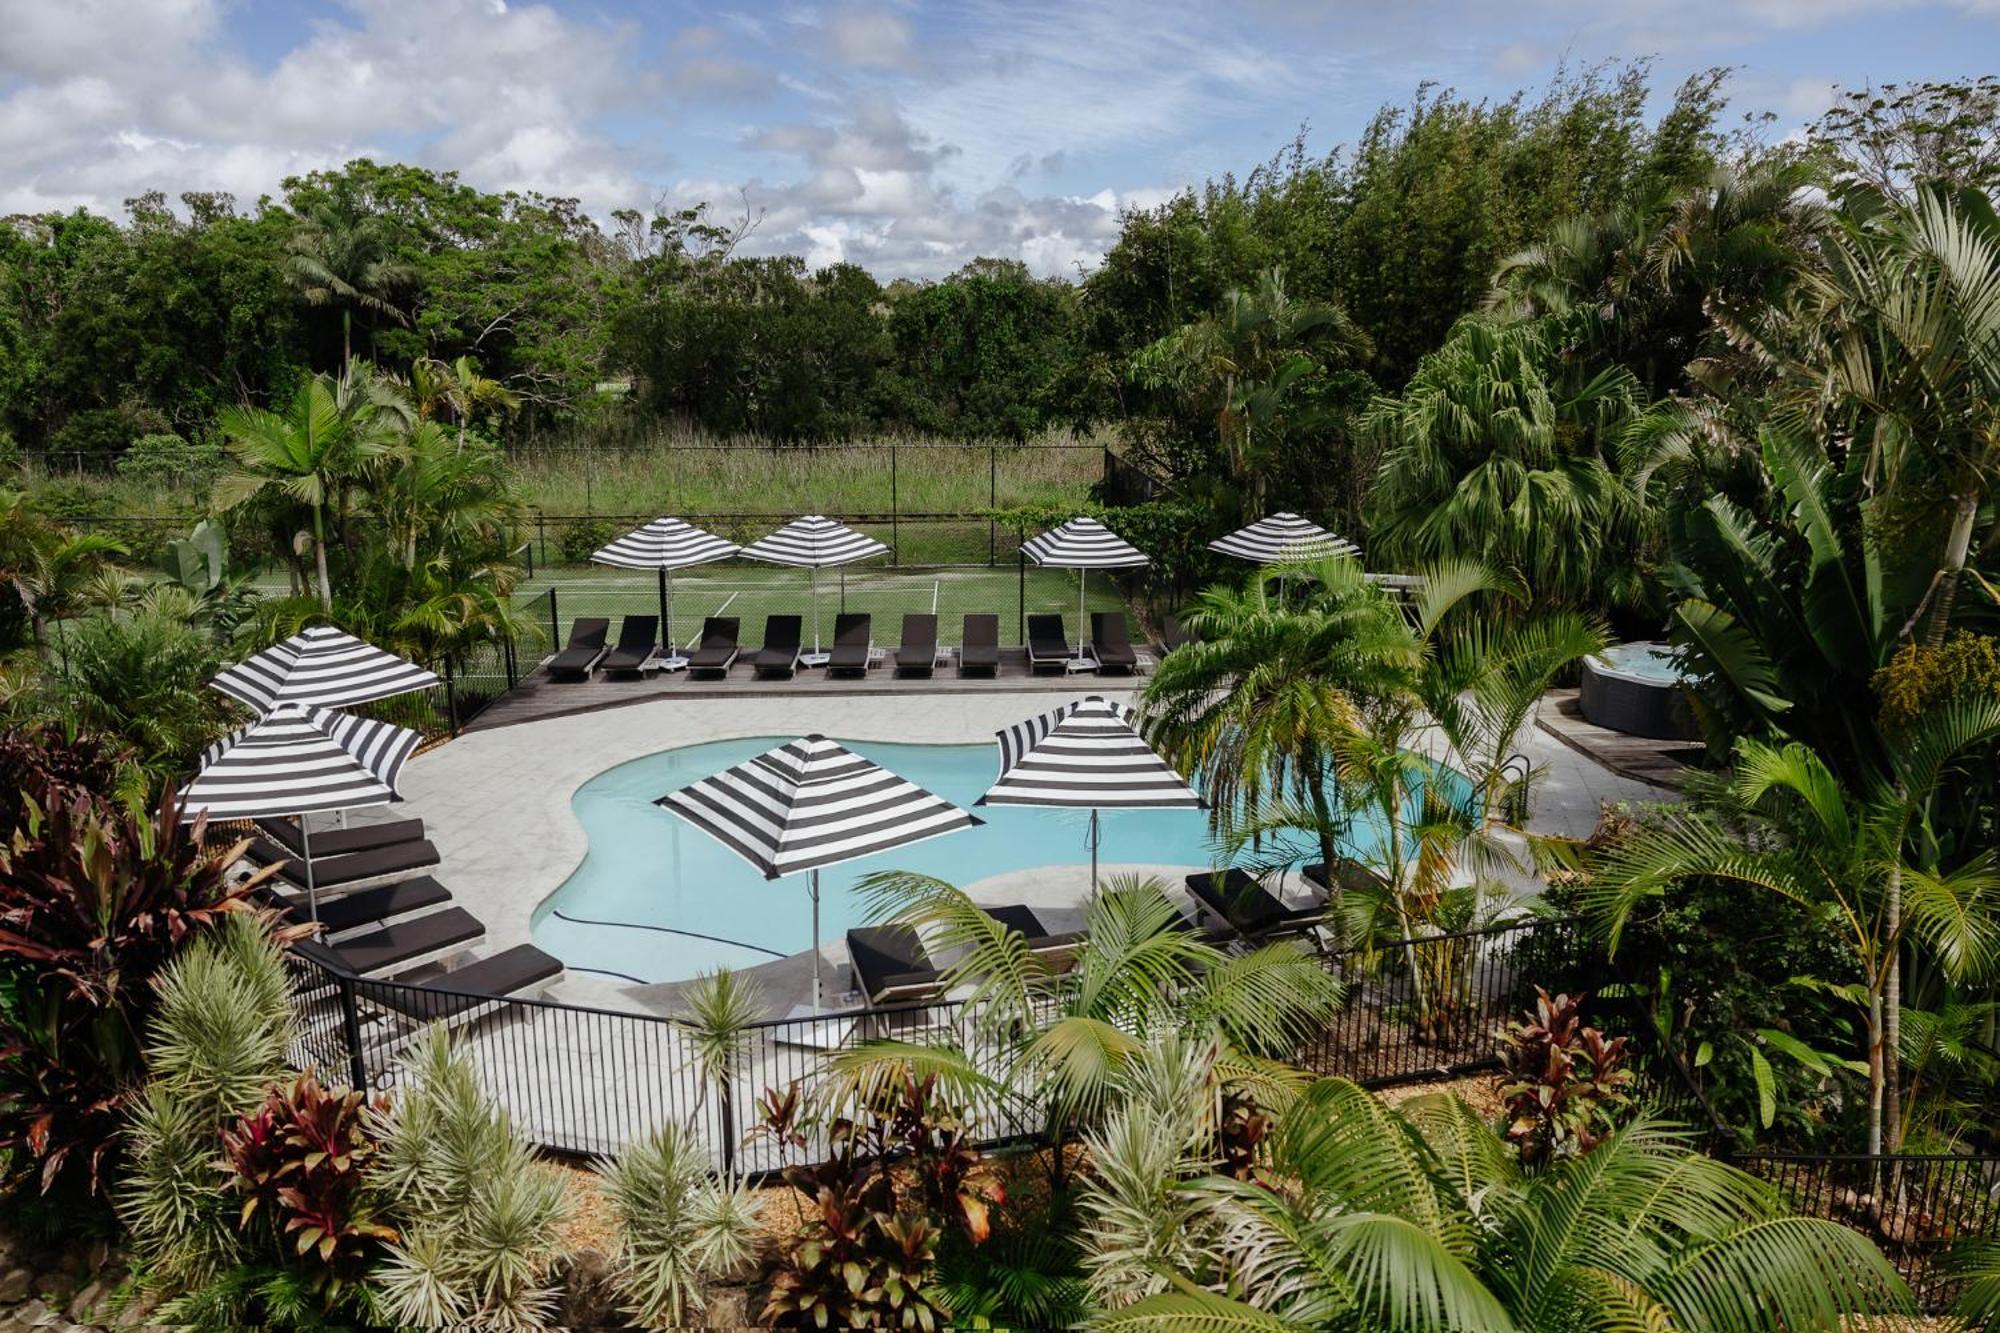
<point>866,38</point>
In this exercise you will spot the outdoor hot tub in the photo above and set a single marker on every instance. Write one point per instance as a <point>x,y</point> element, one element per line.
<point>1636,688</point>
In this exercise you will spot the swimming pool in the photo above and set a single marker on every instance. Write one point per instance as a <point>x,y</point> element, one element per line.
<point>655,899</point>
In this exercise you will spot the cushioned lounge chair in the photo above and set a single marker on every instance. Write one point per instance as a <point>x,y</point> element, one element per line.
<point>350,871</point>
<point>716,652</point>
<point>1110,644</point>
<point>1250,909</point>
<point>918,654</point>
<point>366,909</point>
<point>1172,634</point>
<point>586,645</point>
<point>341,841</point>
<point>1048,645</point>
<point>853,644</point>
<point>638,638</point>
<point>1352,876</point>
<point>406,944</point>
<point>470,989</point>
<point>979,654</point>
<point>1055,949</point>
<point>779,657</point>
<point>891,966</point>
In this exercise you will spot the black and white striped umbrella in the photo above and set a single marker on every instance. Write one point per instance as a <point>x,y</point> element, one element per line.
<point>816,542</point>
<point>1086,755</point>
<point>1083,544</point>
<point>810,804</point>
<point>665,545</point>
<point>1276,538</point>
<point>320,667</point>
<point>302,761</point>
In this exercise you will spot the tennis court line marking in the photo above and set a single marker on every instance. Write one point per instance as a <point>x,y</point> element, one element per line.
<point>727,600</point>
<point>935,585</point>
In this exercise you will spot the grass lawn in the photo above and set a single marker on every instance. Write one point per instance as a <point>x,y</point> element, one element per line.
<point>752,592</point>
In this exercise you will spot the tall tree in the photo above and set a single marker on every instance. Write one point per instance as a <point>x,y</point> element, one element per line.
<point>342,258</point>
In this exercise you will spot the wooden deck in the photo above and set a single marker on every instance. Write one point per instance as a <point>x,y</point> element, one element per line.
<point>1659,763</point>
<point>538,696</point>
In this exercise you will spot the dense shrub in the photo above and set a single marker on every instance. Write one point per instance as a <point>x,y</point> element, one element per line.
<point>97,898</point>
<point>581,538</point>
<point>168,460</point>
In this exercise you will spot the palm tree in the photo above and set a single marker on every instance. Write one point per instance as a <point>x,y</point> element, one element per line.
<point>1500,450</point>
<point>457,387</point>
<point>306,453</point>
<point>1064,1037</point>
<point>431,493</point>
<point>1248,364</point>
<point>1891,341</point>
<point>1422,1218</point>
<point>338,257</point>
<point>1342,713</point>
<point>53,572</point>
<point>1789,826</point>
<point>1251,703</point>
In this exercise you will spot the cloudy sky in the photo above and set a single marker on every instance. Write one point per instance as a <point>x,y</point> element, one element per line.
<point>906,136</point>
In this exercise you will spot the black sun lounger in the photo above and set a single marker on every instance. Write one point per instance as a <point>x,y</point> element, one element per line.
<point>408,944</point>
<point>1051,948</point>
<point>1110,644</point>
<point>383,905</point>
<point>1250,909</point>
<point>779,657</point>
<point>586,645</point>
<point>1353,876</point>
<point>917,656</point>
<point>979,654</point>
<point>890,964</point>
<point>1047,644</point>
<point>637,638</point>
<point>717,650</point>
<point>853,642</point>
<point>341,841</point>
<point>514,972</point>
<point>355,868</point>
<point>1173,634</point>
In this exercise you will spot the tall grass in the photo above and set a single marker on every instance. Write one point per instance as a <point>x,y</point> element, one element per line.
<point>686,472</point>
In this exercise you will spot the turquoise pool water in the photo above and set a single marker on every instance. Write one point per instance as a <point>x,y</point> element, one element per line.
<point>657,900</point>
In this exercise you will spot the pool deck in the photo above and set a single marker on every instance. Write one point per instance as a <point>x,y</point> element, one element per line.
<point>539,696</point>
<point>496,801</point>
<point>1657,763</point>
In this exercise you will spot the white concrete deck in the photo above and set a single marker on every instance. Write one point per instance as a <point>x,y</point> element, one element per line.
<point>497,802</point>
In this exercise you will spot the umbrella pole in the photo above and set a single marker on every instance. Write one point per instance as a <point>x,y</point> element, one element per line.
<point>667,595</point>
<point>1096,836</point>
<point>815,897</point>
<point>306,843</point>
<point>815,609</point>
<point>666,621</point>
<point>1081,636</point>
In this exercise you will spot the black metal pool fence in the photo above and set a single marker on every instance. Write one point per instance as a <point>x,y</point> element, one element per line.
<point>588,1081</point>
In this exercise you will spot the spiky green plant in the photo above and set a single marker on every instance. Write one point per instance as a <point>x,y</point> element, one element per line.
<point>677,1225</point>
<point>479,1211</point>
<point>219,1040</point>
<point>721,1006</point>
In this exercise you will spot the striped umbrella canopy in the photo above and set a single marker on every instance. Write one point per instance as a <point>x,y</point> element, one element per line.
<point>320,667</point>
<point>809,804</point>
<point>298,760</point>
<point>665,545</point>
<point>1083,544</point>
<point>1279,537</point>
<point>1086,755</point>
<point>816,542</point>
